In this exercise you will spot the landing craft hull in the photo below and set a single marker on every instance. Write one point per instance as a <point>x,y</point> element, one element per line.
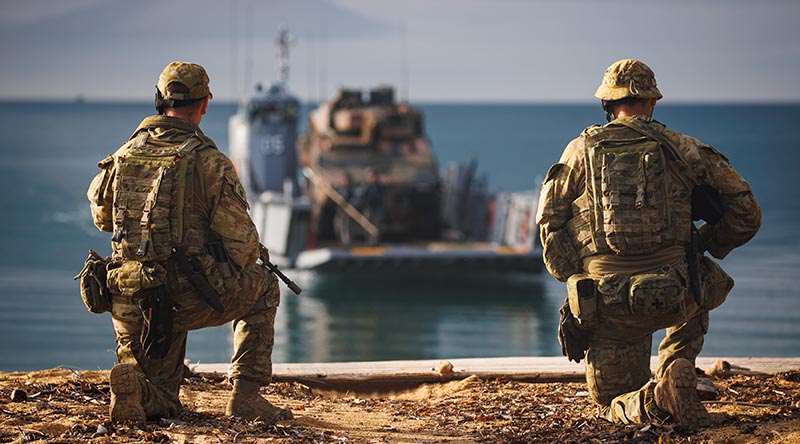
<point>513,246</point>
<point>428,257</point>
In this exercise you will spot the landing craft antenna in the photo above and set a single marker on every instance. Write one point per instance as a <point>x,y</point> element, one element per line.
<point>406,82</point>
<point>283,41</point>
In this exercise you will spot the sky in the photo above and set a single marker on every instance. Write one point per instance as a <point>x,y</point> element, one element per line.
<point>431,50</point>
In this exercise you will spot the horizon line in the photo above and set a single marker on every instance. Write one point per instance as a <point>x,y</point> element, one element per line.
<point>466,102</point>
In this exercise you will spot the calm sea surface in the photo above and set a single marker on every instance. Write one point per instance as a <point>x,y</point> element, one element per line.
<point>48,155</point>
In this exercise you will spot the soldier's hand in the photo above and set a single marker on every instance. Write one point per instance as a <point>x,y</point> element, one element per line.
<point>264,253</point>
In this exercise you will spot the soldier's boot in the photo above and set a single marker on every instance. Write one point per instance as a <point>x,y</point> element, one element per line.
<point>126,395</point>
<point>677,394</point>
<point>245,402</point>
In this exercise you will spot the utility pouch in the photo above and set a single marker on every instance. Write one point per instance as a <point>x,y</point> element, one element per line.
<point>655,294</point>
<point>157,311</point>
<point>133,276</point>
<point>716,283</point>
<point>582,299</point>
<point>92,279</point>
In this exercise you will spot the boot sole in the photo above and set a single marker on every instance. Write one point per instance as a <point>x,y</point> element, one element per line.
<point>126,395</point>
<point>679,396</point>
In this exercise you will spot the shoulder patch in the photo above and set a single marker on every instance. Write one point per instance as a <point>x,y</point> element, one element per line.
<point>238,189</point>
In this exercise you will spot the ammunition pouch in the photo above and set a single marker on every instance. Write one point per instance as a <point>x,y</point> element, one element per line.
<point>656,294</point>
<point>92,279</point>
<point>157,311</point>
<point>582,300</point>
<point>716,283</point>
<point>560,256</point>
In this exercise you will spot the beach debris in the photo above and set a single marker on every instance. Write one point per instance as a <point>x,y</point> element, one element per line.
<point>746,429</point>
<point>18,395</point>
<point>475,410</point>
<point>791,376</point>
<point>719,369</point>
<point>706,390</point>
<point>445,370</point>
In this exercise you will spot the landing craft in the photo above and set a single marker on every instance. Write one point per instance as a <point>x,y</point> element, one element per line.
<point>375,154</point>
<point>361,188</point>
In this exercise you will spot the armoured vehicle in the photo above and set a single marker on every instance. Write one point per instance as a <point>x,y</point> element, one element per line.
<point>374,153</point>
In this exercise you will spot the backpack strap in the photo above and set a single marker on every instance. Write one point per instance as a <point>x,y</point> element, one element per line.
<point>149,203</point>
<point>140,139</point>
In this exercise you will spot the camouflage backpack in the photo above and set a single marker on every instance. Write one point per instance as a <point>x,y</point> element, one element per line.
<point>152,196</point>
<point>628,178</point>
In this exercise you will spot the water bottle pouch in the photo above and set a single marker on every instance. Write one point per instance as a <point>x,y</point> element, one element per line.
<point>92,278</point>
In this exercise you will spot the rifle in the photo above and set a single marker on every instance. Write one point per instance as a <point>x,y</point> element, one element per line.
<point>706,206</point>
<point>693,255</point>
<point>274,269</point>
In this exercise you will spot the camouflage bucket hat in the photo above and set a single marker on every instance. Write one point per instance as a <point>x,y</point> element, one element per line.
<point>190,75</point>
<point>628,78</point>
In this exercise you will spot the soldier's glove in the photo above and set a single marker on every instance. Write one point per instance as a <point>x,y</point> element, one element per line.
<point>573,339</point>
<point>263,254</point>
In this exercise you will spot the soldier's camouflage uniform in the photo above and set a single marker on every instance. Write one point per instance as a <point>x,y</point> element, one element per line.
<point>617,360</point>
<point>250,296</point>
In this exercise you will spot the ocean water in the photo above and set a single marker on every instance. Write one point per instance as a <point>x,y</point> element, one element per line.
<point>48,155</point>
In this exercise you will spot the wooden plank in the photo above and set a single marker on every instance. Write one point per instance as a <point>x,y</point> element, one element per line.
<point>385,374</point>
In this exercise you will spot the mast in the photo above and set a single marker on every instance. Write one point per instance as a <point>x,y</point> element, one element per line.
<point>283,41</point>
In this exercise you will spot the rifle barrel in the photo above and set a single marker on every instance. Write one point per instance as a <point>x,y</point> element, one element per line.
<point>289,283</point>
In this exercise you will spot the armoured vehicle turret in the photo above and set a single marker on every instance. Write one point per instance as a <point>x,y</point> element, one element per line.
<point>374,154</point>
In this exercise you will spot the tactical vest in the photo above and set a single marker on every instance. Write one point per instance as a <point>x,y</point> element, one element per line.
<point>637,191</point>
<point>152,197</point>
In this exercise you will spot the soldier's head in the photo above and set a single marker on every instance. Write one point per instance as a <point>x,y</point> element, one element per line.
<point>182,88</point>
<point>628,83</point>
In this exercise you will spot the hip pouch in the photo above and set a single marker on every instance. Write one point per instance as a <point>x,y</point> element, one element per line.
<point>582,300</point>
<point>92,278</point>
<point>655,294</point>
<point>716,283</point>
